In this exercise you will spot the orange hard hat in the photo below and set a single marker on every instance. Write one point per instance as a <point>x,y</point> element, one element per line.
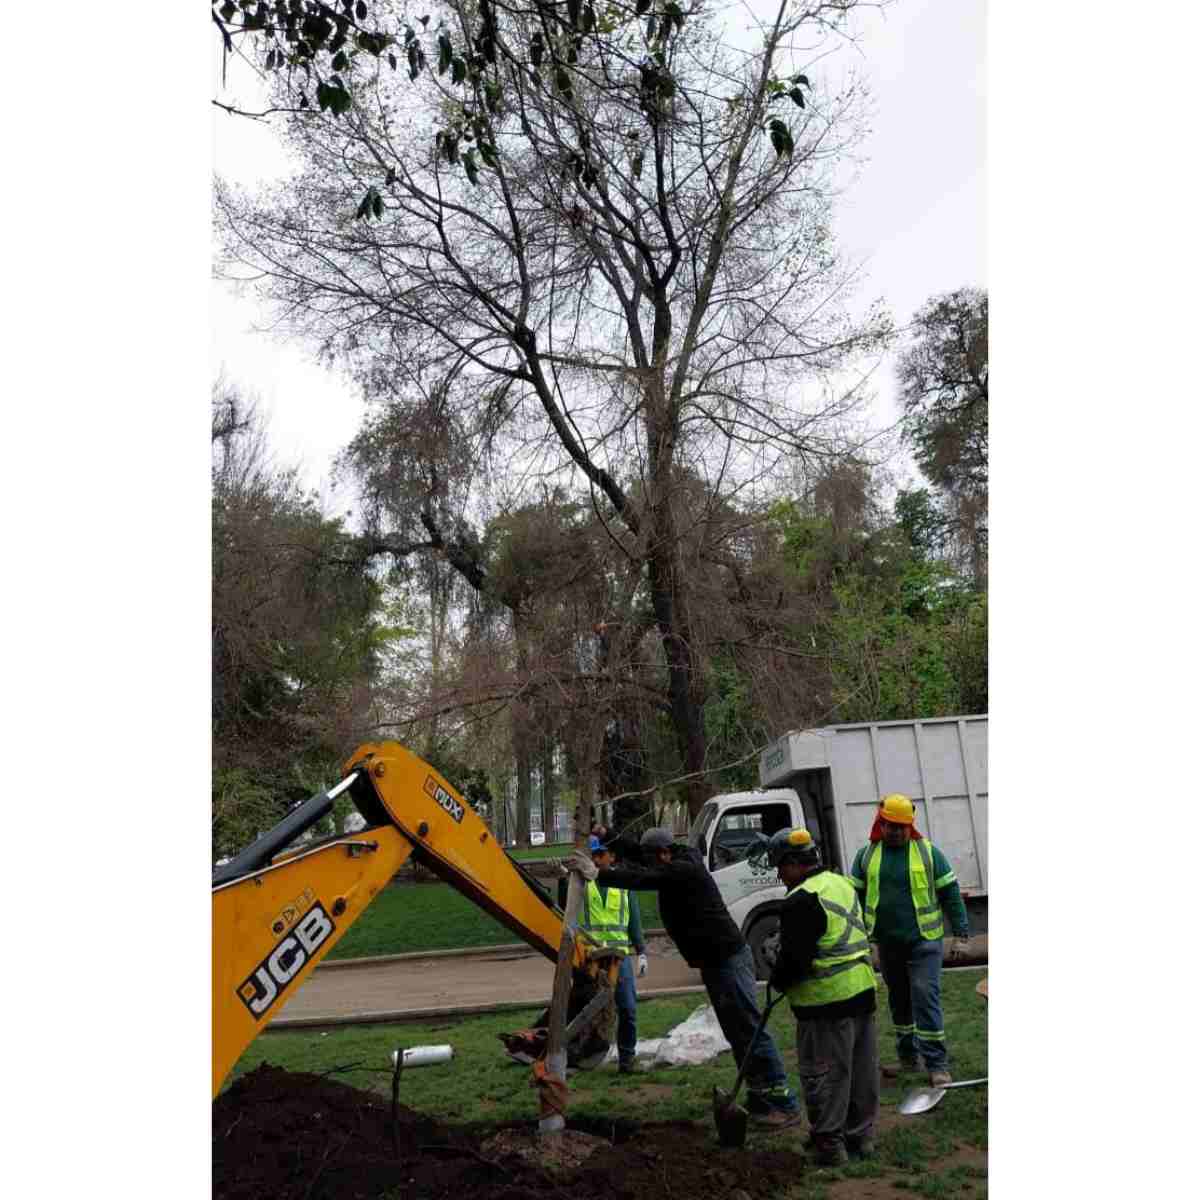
<point>898,809</point>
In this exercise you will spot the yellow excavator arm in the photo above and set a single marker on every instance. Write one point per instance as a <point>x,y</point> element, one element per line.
<point>277,912</point>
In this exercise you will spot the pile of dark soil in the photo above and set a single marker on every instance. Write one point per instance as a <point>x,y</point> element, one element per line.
<point>286,1136</point>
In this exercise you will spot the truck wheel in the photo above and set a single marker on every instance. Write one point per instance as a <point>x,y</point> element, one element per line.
<point>763,937</point>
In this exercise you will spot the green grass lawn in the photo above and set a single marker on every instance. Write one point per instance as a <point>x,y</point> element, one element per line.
<point>406,918</point>
<point>558,850</point>
<point>920,1155</point>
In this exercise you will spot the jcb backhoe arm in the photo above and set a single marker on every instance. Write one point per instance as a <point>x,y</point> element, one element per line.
<point>278,912</point>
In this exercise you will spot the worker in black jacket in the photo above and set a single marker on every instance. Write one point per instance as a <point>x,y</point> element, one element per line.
<point>824,966</point>
<point>697,921</point>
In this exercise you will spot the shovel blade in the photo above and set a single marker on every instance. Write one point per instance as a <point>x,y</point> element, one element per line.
<point>730,1118</point>
<point>920,1100</point>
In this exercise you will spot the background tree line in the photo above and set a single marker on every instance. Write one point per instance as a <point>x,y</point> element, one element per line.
<point>843,607</point>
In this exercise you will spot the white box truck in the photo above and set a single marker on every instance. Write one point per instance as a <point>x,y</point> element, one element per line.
<point>829,780</point>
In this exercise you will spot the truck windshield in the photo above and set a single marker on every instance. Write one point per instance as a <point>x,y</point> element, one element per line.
<point>704,818</point>
<point>742,829</point>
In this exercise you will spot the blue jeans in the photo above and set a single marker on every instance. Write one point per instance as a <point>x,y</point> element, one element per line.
<point>731,991</point>
<point>626,998</point>
<point>913,974</point>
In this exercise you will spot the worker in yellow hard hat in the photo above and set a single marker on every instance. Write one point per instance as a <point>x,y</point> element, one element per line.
<point>906,883</point>
<point>824,966</point>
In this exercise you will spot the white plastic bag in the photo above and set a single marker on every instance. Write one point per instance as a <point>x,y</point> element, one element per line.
<point>697,1040</point>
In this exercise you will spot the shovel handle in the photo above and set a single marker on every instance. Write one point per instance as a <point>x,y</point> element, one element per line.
<point>762,1024</point>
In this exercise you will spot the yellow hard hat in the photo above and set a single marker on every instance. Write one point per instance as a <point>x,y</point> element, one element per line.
<point>796,844</point>
<point>898,809</point>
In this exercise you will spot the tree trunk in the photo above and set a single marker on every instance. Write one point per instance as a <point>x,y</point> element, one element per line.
<point>585,747</point>
<point>520,741</point>
<point>548,788</point>
<point>437,630</point>
<point>524,792</point>
<point>685,683</point>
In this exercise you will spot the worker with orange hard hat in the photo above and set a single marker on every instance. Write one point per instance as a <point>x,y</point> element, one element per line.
<point>905,883</point>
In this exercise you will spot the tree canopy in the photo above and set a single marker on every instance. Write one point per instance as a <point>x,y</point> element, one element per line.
<point>629,283</point>
<point>316,50</point>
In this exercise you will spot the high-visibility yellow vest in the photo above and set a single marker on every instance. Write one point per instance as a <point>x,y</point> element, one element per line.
<point>922,887</point>
<point>607,919</point>
<point>841,966</point>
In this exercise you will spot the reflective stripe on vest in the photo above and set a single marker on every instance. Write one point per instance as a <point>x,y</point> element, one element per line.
<point>924,897</point>
<point>607,920</point>
<point>841,965</point>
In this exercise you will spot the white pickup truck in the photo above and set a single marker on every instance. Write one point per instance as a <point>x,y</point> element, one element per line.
<point>829,780</point>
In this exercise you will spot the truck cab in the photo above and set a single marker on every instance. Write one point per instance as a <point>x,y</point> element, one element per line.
<point>723,832</point>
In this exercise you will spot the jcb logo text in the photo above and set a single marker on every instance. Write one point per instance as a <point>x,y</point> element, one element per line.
<point>270,978</point>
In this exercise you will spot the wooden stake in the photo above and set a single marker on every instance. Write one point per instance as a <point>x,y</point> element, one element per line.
<point>556,1039</point>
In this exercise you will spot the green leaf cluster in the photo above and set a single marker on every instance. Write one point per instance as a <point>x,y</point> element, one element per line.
<point>776,129</point>
<point>312,35</point>
<point>902,633</point>
<point>732,724</point>
<point>371,205</point>
<point>334,97</point>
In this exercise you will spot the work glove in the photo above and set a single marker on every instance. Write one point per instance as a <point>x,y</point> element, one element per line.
<point>643,965</point>
<point>960,948</point>
<point>581,861</point>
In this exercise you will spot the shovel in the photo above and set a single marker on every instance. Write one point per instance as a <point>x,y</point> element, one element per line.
<point>731,1118</point>
<point>921,1100</point>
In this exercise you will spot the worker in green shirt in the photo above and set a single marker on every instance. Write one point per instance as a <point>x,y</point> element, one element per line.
<point>904,882</point>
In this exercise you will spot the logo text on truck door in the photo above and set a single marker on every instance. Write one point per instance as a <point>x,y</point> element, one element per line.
<point>263,986</point>
<point>443,797</point>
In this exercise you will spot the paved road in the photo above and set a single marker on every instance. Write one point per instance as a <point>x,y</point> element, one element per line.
<point>418,986</point>
<point>421,987</point>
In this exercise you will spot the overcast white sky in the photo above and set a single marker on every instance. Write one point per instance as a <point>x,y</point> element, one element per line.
<point>915,217</point>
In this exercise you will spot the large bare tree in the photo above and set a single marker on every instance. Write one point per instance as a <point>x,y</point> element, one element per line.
<point>614,258</point>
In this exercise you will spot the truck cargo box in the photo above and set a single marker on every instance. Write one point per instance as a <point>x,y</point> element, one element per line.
<point>841,771</point>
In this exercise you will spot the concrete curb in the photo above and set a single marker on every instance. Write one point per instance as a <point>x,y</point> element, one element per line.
<point>507,950</point>
<point>403,1016</point>
<point>510,949</point>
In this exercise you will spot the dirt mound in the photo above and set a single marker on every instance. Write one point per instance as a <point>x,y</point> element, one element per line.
<point>304,1137</point>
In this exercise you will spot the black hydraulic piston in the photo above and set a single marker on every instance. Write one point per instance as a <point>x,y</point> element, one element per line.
<point>264,848</point>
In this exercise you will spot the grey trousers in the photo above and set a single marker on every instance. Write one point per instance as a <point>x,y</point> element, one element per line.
<point>839,1072</point>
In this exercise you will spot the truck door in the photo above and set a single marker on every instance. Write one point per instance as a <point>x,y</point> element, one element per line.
<point>731,837</point>
<point>815,789</point>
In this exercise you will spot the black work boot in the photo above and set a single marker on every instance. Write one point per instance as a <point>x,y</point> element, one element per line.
<point>829,1152</point>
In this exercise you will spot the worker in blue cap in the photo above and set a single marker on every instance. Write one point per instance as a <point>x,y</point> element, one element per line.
<point>611,915</point>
